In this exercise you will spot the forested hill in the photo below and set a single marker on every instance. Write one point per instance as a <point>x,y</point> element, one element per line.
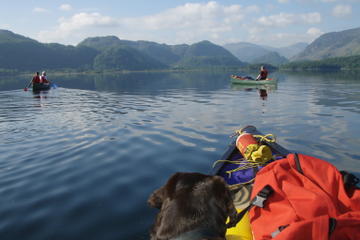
<point>198,55</point>
<point>252,53</point>
<point>335,44</point>
<point>20,53</point>
<point>329,64</point>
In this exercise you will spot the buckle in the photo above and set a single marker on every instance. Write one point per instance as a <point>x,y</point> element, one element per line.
<point>262,196</point>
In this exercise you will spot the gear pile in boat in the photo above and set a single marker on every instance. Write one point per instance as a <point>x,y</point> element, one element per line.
<point>288,195</point>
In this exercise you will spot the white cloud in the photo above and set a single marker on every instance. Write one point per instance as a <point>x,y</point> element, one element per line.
<point>40,10</point>
<point>341,10</point>
<point>78,27</point>
<point>314,32</point>
<point>283,1</point>
<point>284,39</point>
<point>65,7</point>
<point>286,19</point>
<point>186,23</point>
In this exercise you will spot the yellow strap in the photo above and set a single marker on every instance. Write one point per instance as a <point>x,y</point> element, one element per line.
<point>266,138</point>
<point>238,161</point>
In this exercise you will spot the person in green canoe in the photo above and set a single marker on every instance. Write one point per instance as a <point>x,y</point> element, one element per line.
<point>262,75</point>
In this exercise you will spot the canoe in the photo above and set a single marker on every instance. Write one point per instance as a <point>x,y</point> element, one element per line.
<point>43,87</point>
<point>241,190</point>
<point>237,80</point>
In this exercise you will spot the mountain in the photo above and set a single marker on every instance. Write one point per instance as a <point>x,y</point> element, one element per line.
<point>206,54</point>
<point>202,54</point>
<point>125,58</point>
<point>161,52</point>
<point>335,44</point>
<point>272,58</point>
<point>246,52</point>
<point>289,51</point>
<point>21,53</point>
<point>250,52</point>
<point>8,36</point>
<point>100,43</point>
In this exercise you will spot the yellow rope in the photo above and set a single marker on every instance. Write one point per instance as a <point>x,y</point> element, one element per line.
<point>266,138</point>
<point>262,138</point>
<point>247,164</point>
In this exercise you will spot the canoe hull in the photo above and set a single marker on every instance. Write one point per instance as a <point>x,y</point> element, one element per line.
<point>41,87</point>
<point>236,80</point>
<point>242,192</point>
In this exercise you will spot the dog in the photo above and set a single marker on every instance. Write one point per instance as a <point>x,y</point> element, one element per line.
<point>192,206</point>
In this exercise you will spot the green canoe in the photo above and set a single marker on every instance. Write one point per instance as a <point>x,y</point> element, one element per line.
<point>237,80</point>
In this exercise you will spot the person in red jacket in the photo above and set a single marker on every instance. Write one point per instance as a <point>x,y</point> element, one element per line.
<point>263,74</point>
<point>36,78</point>
<point>43,78</point>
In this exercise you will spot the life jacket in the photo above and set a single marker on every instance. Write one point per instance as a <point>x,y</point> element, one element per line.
<point>36,79</point>
<point>263,74</point>
<point>303,197</point>
<point>43,79</point>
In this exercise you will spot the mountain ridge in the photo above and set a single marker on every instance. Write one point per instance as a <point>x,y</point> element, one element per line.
<point>333,44</point>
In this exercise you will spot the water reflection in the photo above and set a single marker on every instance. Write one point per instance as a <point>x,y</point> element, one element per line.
<point>263,94</point>
<point>149,83</point>
<point>262,90</point>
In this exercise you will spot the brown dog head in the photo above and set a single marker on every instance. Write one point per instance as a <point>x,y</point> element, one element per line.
<point>191,201</point>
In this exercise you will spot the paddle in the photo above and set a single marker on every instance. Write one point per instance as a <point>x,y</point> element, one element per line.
<point>26,88</point>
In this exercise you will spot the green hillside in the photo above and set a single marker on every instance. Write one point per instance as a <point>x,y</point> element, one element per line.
<point>160,52</point>
<point>125,58</point>
<point>335,44</point>
<point>272,58</point>
<point>21,53</point>
<point>207,54</point>
<point>100,43</point>
<point>333,64</point>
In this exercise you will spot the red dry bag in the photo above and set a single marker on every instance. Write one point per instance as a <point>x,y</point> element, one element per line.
<point>306,198</point>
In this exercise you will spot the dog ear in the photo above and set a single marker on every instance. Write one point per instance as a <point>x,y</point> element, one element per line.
<point>233,219</point>
<point>158,196</point>
<point>223,195</point>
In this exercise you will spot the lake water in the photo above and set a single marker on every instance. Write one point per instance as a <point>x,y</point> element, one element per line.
<point>80,161</point>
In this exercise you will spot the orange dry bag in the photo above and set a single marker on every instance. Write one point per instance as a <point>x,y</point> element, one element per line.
<point>252,150</point>
<point>303,197</point>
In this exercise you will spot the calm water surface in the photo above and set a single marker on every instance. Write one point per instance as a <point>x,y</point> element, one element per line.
<point>80,161</point>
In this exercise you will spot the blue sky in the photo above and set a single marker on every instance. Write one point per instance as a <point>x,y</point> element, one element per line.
<point>275,23</point>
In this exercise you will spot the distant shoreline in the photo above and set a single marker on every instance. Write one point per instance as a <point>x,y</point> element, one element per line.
<point>250,68</point>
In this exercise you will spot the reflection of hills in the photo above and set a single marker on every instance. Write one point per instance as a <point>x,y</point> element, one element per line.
<point>244,87</point>
<point>148,82</point>
<point>334,89</point>
<point>342,97</point>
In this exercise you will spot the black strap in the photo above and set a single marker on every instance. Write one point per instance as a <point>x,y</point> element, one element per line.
<point>332,225</point>
<point>298,165</point>
<point>258,201</point>
<point>350,180</point>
